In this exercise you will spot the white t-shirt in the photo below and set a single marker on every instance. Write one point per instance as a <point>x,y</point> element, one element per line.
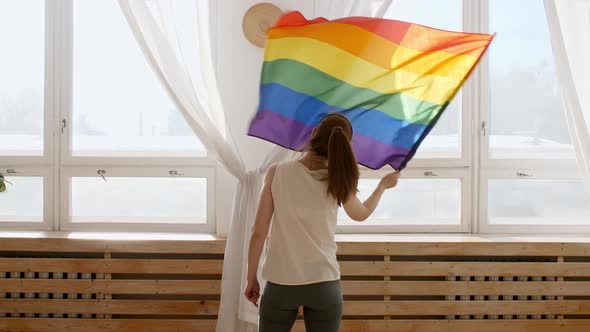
<point>302,247</point>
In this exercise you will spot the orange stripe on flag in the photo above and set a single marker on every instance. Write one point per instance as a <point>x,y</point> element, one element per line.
<point>379,51</point>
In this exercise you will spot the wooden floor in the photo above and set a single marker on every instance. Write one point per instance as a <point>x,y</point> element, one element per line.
<point>52,284</point>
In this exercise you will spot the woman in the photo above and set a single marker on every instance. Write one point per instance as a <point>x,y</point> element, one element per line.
<point>302,198</point>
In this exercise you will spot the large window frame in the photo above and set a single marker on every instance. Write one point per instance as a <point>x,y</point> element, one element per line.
<point>474,168</point>
<point>456,173</point>
<point>57,165</point>
<point>156,172</point>
<point>460,168</point>
<point>505,168</point>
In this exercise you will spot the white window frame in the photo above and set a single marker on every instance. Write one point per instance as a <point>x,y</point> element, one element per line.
<point>46,174</point>
<point>24,166</point>
<point>57,165</point>
<point>455,168</point>
<point>504,168</point>
<point>468,95</point>
<point>462,174</point>
<point>475,160</point>
<point>474,167</point>
<point>526,174</point>
<point>111,172</point>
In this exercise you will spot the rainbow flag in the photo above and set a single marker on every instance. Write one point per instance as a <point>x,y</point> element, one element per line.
<point>391,79</point>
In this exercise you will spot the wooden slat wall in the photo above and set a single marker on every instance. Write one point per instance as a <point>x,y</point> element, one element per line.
<point>100,285</point>
<point>53,284</point>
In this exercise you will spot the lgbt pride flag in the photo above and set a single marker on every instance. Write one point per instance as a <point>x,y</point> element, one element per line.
<point>391,79</point>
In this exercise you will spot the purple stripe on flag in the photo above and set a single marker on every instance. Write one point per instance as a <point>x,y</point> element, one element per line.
<point>294,135</point>
<point>375,154</point>
<point>281,130</point>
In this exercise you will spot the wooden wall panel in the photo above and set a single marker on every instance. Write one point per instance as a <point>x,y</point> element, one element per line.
<point>52,284</point>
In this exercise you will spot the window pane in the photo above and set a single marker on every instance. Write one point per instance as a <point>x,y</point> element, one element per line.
<point>120,107</point>
<point>22,200</point>
<point>527,117</point>
<point>132,199</point>
<point>446,15</point>
<point>413,202</point>
<point>444,141</point>
<point>542,202</point>
<point>22,36</point>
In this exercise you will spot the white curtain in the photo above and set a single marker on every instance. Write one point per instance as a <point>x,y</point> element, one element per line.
<point>175,38</point>
<point>235,313</point>
<point>569,29</point>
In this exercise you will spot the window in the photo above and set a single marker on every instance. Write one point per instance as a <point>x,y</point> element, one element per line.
<point>27,189</point>
<point>500,158</point>
<point>22,36</point>
<point>131,199</point>
<point>539,201</point>
<point>527,83</point>
<point>528,178</point>
<point>89,138</point>
<point>445,140</point>
<point>434,193</point>
<point>418,203</point>
<point>128,198</point>
<point>119,107</point>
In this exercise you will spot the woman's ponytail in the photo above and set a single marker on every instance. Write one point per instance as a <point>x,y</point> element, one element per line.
<point>343,172</point>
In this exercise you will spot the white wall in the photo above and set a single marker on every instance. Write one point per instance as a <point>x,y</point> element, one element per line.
<point>238,66</point>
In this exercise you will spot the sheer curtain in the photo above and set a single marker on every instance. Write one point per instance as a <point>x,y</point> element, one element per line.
<point>175,38</point>
<point>569,29</point>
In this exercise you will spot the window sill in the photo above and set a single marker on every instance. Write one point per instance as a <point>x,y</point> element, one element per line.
<point>385,237</point>
<point>111,236</point>
<point>461,238</point>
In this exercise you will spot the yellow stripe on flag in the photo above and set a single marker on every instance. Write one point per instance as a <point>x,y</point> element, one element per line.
<point>359,72</point>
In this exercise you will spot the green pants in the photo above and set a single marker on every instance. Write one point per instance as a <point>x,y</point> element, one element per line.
<point>322,307</point>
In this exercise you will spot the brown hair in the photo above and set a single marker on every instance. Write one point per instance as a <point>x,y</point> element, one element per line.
<point>331,139</point>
